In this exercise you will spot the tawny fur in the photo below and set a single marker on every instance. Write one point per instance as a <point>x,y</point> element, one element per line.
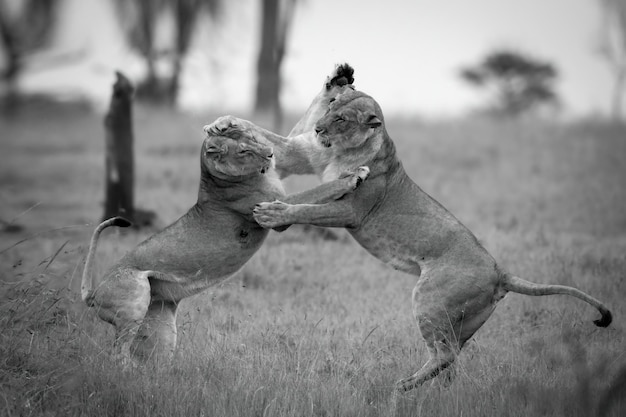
<point>459,282</point>
<point>140,294</point>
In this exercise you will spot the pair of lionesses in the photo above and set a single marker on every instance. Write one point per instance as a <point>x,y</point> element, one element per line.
<point>458,281</point>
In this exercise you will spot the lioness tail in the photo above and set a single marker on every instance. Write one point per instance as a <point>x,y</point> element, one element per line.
<point>86,287</point>
<point>521,286</point>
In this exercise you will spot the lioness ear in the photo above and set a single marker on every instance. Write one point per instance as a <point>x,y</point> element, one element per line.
<point>372,121</point>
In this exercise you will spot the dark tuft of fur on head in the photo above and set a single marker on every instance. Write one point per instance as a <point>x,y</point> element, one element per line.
<point>344,74</point>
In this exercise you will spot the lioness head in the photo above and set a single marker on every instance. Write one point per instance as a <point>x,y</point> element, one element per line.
<point>235,158</point>
<point>352,118</point>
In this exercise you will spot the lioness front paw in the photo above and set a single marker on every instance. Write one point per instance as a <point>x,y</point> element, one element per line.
<point>271,215</point>
<point>223,124</point>
<point>361,175</point>
<point>356,177</point>
<point>342,75</point>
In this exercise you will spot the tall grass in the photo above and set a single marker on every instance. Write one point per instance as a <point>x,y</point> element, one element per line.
<point>312,327</point>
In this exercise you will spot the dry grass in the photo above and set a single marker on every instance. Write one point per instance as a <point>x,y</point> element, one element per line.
<point>313,327</point>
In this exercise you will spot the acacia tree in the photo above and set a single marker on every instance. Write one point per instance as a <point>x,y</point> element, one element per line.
<point>276,18</point>
<point>518,83</point>
<point>613,49</point>
<point>139,20</point>
<point>23,29</point>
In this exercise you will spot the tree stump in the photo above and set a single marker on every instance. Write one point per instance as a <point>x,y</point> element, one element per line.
<point>119,157</point>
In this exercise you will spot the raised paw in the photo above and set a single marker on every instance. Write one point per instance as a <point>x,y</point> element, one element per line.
<point>356,177</point>
<point>271,215</point>
<point>342,75</point>
<point>222,125</point>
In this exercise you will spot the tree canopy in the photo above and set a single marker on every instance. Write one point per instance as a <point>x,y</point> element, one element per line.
<point>517,82</point>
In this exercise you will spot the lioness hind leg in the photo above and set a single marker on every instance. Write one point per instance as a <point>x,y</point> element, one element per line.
<point>124,336</point>
<point>156,338</point>
<point>449,309</point>
<point>122,299</point>
<point>442,355</point>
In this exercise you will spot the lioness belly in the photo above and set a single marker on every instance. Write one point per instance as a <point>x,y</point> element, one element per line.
<point>398,252</point>
<point>215,270</point>
<point>409,229</point>
<point>196,258</point>
<point>407,241</point>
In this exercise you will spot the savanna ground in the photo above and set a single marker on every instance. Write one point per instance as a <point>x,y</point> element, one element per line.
<point>315,327</point>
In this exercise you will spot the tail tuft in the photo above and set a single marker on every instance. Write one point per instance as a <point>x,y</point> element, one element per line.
<point>605,320</point>
<point>121,222</point>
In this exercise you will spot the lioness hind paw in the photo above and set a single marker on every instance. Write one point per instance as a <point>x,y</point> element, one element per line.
<point>405,385</point>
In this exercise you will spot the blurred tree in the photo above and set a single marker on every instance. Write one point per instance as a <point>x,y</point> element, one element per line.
<point>139,19</point>
<point>276,18</point>
<point>24,27</point>
<point>519,83</point>
<point>187,13</point>
<point>613,49</point>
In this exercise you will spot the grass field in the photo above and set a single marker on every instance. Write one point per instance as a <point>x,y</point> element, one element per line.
<point>314,327</point>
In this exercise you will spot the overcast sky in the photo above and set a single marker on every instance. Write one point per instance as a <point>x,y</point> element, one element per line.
<point>406,53</point>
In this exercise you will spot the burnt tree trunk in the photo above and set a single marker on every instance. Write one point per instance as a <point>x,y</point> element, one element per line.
<point>119,160</point>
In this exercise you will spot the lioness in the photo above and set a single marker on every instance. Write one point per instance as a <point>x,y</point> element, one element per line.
<point>459,282</point>
<point>140,294</point>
